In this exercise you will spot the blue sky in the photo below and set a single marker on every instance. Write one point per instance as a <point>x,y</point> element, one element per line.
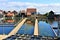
<point>42,6</point>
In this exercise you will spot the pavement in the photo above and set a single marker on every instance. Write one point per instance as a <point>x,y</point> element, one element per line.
<point>1,36</point>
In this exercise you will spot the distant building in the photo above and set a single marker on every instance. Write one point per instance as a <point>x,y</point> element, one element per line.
<point>31,11</point>
<point>15,12</point>
<point>4,12</point>
<point>9,17</point>
<point>1,13</point>
<point>10,14</point>
<point>51,15</point>
<point>23,13</point>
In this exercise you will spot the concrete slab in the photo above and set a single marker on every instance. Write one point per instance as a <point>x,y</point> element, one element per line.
<point>36,28</point>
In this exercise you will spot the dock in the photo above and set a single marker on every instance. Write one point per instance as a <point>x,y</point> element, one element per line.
<point>15,30</point>
<point>36,28</point>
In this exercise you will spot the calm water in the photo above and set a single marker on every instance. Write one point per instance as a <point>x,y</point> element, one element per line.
<point>45,29</point>
<point>6,29</point>
<point>54,24</point>
<point>26,29</point>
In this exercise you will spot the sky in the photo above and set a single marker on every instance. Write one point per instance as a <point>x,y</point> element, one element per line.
<point>42,6</point>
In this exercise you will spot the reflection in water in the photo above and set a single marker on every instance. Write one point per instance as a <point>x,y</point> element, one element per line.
<point>6,29</point>
<point>27,28</point>
<point>45,29</point>
<point>30,22</point>
<point>10,21</point>
<point>54,24</point>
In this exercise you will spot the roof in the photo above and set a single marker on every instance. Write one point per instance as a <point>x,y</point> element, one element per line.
<point>10,14</point>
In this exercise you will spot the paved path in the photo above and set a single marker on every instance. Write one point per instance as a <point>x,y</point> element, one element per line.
<point>14,31</point>
<point>1,36</point>
<point>36,27</point>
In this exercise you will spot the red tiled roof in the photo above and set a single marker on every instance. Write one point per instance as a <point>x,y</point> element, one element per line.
<point>10,14</point>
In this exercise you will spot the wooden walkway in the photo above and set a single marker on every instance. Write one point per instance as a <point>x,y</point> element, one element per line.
<point>36,28</point>
<point>15,30</point>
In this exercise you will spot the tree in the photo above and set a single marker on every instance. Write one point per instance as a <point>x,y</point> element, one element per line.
<point>4,12</point>
<point>9,11</point>
<point>46,14</point>
<point>15,12</point>
<point>51,15</point>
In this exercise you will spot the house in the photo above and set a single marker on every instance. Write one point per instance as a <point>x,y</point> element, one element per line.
<point>23,13</point>
<point>9,16</point>
<point>31,11</point>
<point>1,13</point>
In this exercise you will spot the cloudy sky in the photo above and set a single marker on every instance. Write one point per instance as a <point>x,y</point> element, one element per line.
<point>42,6</point>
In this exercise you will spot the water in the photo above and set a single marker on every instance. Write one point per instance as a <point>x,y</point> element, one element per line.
<point>54,24</point>
<point>45,29</point>
<point>6,29</point>
<point>26,29</point>
<point>56,30</point>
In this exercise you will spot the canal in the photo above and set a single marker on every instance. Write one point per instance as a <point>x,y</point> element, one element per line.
<point>7,27</point>
<point>28,28</point>
<point>45,29</point>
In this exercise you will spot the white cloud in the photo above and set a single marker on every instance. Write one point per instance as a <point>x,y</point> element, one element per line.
<point>23,5</point>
